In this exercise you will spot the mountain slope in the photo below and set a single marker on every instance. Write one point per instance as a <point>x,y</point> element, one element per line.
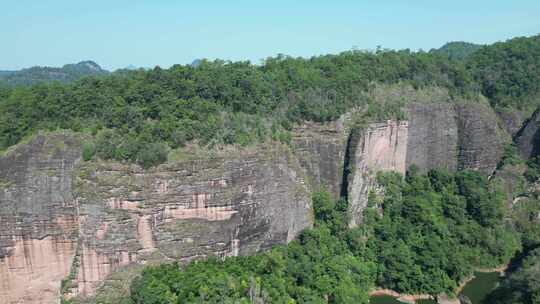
<point>65,74</point>
<point>457,50</point>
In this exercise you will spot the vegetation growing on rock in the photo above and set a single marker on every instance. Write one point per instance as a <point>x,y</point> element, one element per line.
<point>221,102</point>
<point>425,235</point>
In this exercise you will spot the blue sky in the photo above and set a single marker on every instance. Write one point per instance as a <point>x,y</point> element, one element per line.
<point>117,33</point>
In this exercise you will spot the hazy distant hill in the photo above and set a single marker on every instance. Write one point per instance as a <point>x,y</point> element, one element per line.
<point>67,73</point>
<point>5,73</point>
<point>457,49</point>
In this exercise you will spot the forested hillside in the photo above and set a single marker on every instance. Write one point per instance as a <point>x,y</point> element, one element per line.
<point>220,102</point>
<point>457,50</point>
<point>65,74</point>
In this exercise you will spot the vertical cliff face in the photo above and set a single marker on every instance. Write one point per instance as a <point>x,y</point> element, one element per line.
<point>38,223</point>
<point>320,149</point>
<point>80,223</point>
<point>87,222</point>
<point>224,206</point>
<point>433,136</point>
<point>481,140</point>
<point>436,135</point>
<point>512,120</point>
<point>381,147</point>
<point>455,136</point>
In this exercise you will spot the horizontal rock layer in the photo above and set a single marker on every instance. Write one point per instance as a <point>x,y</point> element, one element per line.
<point>80,222</point>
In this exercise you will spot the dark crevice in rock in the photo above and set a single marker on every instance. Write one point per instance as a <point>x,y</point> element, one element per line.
<point>347,166</point>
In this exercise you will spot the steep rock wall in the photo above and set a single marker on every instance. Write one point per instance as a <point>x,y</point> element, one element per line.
<point>381,147</point>
<point>436,135</point>
<point>38,222</point>
<point>320,149</point>
<point>224,206</point>
<point>454,136</point>
<point>61,219</point>
<point>433,136</point>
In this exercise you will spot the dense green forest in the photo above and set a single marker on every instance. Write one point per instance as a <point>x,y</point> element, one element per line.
<point>425,235</point>
<point>220,102</point>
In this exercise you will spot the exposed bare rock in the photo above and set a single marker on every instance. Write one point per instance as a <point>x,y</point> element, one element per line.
<point>436,135</point>
<point>445,299</point>
<point>229,206</point>
<point>381,147</point>
<point>433,136</point>
<point>512,120</point>
<point>455,136</point>
<point>320,149</point>
<point>85,222</point>
<point>38,221</point>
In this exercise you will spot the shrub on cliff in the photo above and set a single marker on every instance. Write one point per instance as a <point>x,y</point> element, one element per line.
<point>88,151</point>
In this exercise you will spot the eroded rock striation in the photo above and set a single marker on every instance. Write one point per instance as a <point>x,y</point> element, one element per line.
<point>223,206</point>
<point>38,221</point>
<point>67,226</point>
<point>436,135</point>
<point>70,228</point>
<point>321,149</point>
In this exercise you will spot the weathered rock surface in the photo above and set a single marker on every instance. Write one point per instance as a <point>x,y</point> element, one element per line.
<point>512,120</point>
<point>82,222</point>
<point>321,149</point>
<point>455,136</point>
<point>38,222</point>
<point>221,206</point>
<point>86,223</point>
<point>436,135</point>
<point>381,147</point>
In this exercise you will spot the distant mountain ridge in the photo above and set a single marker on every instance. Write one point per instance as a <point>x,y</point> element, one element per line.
<point>65,74</point>
<point>457,50</point>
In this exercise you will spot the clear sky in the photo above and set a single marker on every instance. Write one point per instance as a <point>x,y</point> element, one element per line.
<point>118,33</point>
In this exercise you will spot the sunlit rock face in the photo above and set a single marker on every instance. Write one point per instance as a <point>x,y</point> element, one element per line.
<point>84,223</point>
<point>220,206</point>
<point>38,218</point>
<point>435,135</point>
<point>380,147</point>
<point>63,219</point>
<point>320,149</point>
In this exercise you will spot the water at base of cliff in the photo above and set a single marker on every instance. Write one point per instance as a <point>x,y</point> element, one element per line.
<point>476,290</point>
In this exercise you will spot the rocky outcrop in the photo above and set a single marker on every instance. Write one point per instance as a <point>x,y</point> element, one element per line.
<point>38,221</point>
<point>454,136</point>
<point>436,135</point>
<point>67,227</point>
<point>223,206</point>
<point>380,147</point>
<point>511,120</point>
<point>321,149</point>
<point>70,227</point>
<point>528,137</point>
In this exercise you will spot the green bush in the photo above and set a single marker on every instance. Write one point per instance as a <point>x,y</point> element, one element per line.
<point>88,151</point>
<point>152,154</point>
